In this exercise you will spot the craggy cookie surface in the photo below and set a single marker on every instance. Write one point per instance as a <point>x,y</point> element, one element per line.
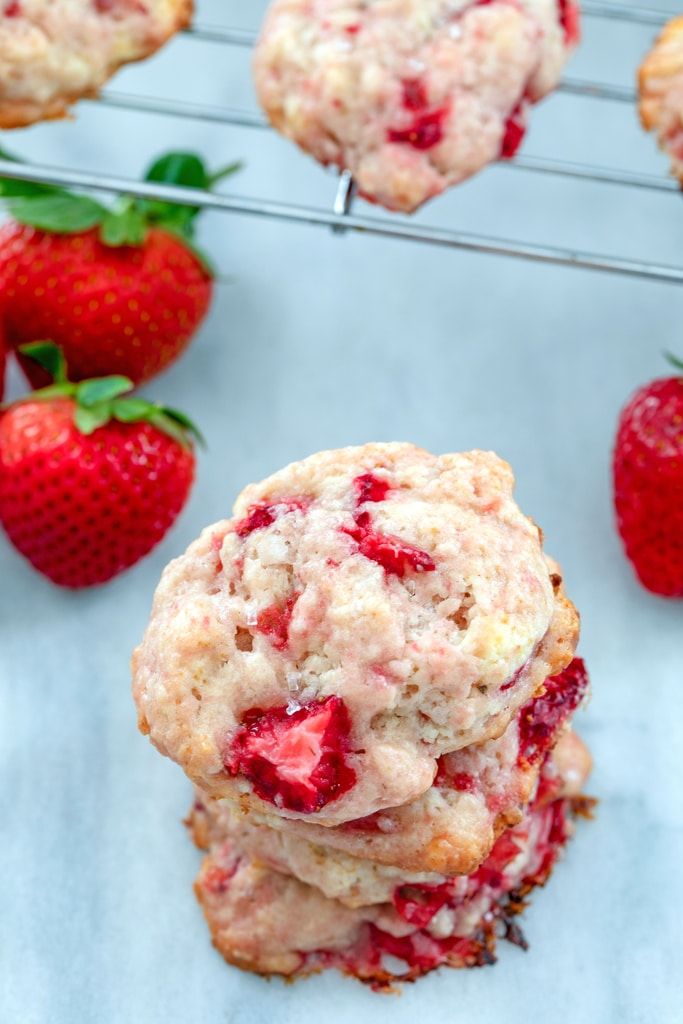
<point>410,95</point>
<point>52,52</point>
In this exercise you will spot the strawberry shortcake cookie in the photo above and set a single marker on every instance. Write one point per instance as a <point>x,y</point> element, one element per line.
<point>53,52</point>
<point>264,919</point>
<point>364,613</point>
<point>660,86</point>
<point>410,96</point>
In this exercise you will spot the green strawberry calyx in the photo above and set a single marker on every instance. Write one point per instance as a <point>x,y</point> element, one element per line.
<point>128,220</point>
<point>102,399</point>
<point>674,361</point>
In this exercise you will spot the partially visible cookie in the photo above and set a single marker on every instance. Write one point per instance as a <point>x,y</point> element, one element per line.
<point>411,97</point>
<point>660,86</point>
<point>54,52</point>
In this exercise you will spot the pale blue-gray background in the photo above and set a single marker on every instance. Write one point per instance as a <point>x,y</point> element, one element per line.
<point>317,341</point>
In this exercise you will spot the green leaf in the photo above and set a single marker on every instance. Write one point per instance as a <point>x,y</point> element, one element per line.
<point>224,172</point>
<point>126,226</point>
<point>102,389</point>
<point>178,168</point>
<point>64,390</point>
<point>169,426</point>
<point>49,356</point>
<point>12,187</point>
<point>674,360</point>
<point>89,420</point>
<point>185,421</point>
<point>60,214</point>
<point>131,410</point>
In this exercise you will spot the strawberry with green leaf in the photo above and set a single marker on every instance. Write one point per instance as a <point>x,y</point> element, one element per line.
<point>121,290</point>
<point>90,478</point>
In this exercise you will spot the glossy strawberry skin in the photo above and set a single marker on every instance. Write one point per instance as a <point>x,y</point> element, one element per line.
<point>3,361</point>
<point>128,310</point>
<point>648,484</point>
<point>82,508</point>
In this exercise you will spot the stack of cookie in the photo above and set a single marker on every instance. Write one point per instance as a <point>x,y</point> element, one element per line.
<point>369,675</point>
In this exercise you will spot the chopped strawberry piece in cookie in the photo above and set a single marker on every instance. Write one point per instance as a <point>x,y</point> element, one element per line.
<point>414,94</point>
<point>369,487</point>
<point>396,556</point>
<point>370,823</point>
<point>463,782</point>
<point>264,514</point>
<point>274,622</point>
<point>570,20</point>
<point>417,904</point>
<point>515,130</point>
<point>296,761</point>
<point>506,848</point>
<point>542,717</point>
<point>425,131</point>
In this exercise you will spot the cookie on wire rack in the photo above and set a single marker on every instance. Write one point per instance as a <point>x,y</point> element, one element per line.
<point>55,52</point>
<point>410,97</point>
<point>660,93</point>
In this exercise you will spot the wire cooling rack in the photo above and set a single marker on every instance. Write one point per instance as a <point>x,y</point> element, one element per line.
<point>340,216</point>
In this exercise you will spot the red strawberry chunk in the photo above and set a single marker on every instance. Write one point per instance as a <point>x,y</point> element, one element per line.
<point>414,94</point>
<point>370,823</point>
<point>264,514</point>
<point>542,717</point>
<point>417,904</point>
<point>425,131</point>
<point>462,781</point>
<point>515,130</point>
<point>422,952</point>
<point>396,556</point>
<point>274,622</point>
<point>570,20</point>
<point>296,761</point>
<point>369,487</point>
<point>491,872</point>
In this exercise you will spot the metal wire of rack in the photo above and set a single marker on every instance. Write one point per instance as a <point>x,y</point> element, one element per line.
<point>341,217</point>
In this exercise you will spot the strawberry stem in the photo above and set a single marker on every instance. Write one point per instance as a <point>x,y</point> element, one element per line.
<point>100,400</point>
<point>674,361</point>
<point>127,222</point>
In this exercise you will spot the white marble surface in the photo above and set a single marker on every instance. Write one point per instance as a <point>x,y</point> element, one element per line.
<point>318,341</point>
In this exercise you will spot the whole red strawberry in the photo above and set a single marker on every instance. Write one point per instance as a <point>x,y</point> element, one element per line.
<point>120,291</point>
<point>648,483</point>
<point>90,481</point>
